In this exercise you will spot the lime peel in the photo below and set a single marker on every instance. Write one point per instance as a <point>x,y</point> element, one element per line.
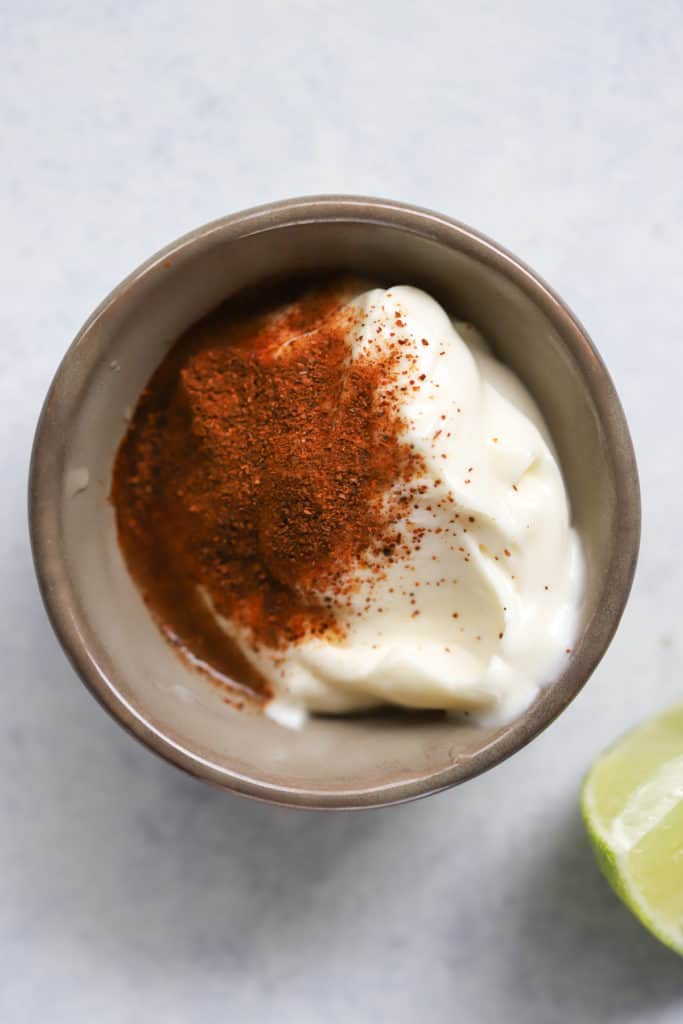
<point>632,804</point>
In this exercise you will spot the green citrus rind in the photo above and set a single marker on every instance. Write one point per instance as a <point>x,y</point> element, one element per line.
<point>615,869</point>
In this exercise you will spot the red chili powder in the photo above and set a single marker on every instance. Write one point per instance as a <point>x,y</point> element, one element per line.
<point>258,472</point>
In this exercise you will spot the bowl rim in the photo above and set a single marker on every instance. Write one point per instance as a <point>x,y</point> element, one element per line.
<point>44,528</point>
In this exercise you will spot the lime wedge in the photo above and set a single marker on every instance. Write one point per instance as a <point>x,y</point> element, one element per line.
<point>632,803</point>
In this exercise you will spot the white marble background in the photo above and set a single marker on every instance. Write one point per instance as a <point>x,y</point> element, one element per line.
<point>130,893</point>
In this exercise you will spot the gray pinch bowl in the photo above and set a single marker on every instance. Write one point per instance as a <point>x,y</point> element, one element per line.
<point>101,619</point>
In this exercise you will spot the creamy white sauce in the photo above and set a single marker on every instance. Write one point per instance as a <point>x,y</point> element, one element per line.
<point>496,590</point>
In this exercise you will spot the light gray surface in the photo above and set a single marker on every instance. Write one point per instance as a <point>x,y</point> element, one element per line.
<point>130,893</point>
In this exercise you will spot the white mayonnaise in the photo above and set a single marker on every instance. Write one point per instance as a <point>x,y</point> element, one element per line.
<point>482,613</point>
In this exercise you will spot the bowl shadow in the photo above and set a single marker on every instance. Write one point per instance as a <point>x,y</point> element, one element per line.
<point>114,851</point>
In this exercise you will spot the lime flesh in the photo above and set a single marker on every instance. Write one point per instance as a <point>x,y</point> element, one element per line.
<point>632,803</point>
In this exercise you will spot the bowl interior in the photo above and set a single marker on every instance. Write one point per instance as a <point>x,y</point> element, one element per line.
<point>333,761</point>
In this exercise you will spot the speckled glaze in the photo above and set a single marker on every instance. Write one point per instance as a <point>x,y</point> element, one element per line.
<point>102,621</point>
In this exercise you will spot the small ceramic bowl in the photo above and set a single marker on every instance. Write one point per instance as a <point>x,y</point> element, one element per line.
<point>99,615</point>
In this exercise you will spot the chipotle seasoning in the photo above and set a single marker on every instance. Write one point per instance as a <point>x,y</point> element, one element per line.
<point>262,468</point>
